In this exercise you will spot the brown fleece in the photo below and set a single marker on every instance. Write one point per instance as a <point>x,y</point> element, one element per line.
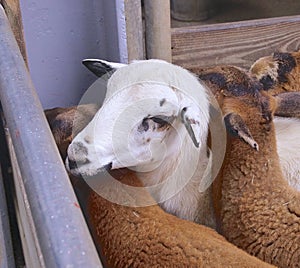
<point>257,210</point>
<point>278,73</point>
<point>148,236</point>
<point>67,122</point>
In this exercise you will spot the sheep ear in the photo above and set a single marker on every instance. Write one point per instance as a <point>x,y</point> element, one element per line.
<point>288,104</point>
<point>101,67</point>
<point>191,126</point>
<point>236,126</point>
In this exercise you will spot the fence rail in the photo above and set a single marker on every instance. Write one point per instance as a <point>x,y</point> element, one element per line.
<point>60,234</point>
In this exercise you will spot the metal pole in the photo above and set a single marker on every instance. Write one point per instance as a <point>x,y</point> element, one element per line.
<point>61,230</point>
<point>158,29</point>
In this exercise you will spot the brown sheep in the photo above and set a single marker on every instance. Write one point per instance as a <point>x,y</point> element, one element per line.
<point>280,73</point>
<point>149,237</point>
<point>63,130</point>
<point>257,210</point>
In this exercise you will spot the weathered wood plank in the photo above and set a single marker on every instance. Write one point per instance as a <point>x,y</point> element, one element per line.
<point>237,43</point>
<point>13,12</point>
<point>157,28</point>
<point>134,30</point>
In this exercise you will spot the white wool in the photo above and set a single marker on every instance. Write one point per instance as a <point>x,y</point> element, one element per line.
<point>288,148</point>
<point>134,92</point>
<point>160,72</point>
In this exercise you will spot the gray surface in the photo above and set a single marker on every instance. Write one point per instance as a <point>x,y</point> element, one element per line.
<point>59,34</point>
<point>63,235</point>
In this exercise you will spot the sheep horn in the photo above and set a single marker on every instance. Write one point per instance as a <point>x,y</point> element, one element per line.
<point>237,127</point>
<point>288,104</point>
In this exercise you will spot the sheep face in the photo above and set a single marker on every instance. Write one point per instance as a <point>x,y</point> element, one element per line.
<point>242,100</point>
<point>138,126</point>
<point>146,127</point>
<point>278,73</point>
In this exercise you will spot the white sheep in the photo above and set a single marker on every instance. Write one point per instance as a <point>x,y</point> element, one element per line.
<point>154,119</point>
<point>280,73</point>
<point>143,236</point>
<point>256,208</point>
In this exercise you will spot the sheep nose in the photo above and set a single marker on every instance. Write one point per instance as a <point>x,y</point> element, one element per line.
<point>72,164</point>
<point>108,167</point>
<point>77,154</point>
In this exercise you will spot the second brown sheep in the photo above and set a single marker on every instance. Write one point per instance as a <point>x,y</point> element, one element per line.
<point>257,210</point>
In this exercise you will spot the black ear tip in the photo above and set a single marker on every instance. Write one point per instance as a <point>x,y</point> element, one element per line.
<point>95,63</point>
<point>97,67</point>
<point>89,63</point>
<point>86,63</point>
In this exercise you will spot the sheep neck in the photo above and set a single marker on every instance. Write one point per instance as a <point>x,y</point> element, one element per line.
<point>186,201</point>
<point>257,205</point>
<point>246,166</point>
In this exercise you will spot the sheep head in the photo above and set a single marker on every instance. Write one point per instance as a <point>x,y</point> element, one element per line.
<point>147,113</point>
<point>241,99</point>
<point>280,77</point>
<point>278,73</point>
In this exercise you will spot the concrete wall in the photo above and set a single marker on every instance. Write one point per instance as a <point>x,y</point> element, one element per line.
<point>60,33</point>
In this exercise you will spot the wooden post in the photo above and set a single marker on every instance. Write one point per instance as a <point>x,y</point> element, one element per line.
<point>158,29</point>
<point>134,30</point>
<point>13,12</point>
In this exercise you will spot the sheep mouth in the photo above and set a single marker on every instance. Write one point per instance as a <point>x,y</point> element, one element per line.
<point>107,167</point>
<point>71,165</point>
<point>83,170</point>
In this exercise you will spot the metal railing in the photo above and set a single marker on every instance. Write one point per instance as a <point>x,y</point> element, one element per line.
<point>54,230</point>
<point>6,249</point>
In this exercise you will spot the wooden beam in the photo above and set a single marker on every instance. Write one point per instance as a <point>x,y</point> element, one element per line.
<point>237,43</point>
<point>13,12</point>
<point>158,25</point>
<point>134,30</point>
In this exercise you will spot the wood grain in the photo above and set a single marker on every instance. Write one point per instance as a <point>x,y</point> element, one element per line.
<point>13,12</point>
<point>158,29</point>
<point>237,43</point>
<point>134,30</point>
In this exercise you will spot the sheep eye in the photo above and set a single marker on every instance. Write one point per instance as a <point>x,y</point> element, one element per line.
<point>159,121</point>
<point>162,120</point>
<point>145,125</point>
